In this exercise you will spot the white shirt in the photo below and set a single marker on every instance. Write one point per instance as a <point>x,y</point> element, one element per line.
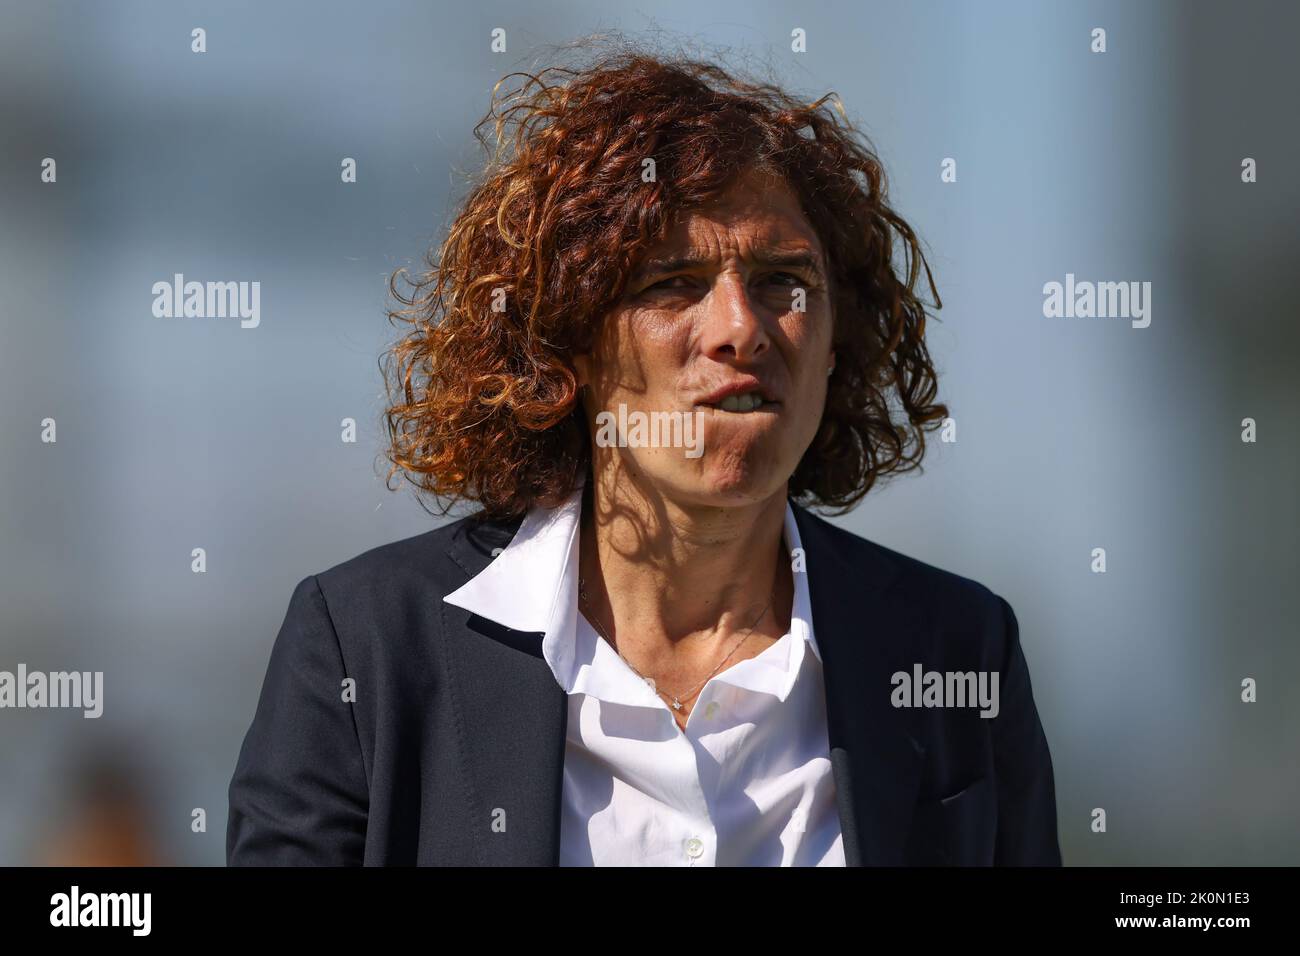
<point>748,783</point>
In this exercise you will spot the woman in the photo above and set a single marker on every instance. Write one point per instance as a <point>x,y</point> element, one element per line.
<point>664,324</point>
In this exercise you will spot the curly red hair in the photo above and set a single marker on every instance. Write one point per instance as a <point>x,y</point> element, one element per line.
<point>483,400</point>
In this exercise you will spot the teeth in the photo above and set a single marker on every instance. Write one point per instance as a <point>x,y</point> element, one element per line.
<point>741,403</point>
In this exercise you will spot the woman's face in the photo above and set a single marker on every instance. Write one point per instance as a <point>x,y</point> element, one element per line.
<point>735,297</point>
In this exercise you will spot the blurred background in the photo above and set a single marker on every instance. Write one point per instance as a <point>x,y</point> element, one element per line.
<point>1072,434</point>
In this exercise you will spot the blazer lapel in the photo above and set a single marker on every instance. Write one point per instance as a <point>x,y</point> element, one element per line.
<point>864,629</point>
<point>511,720</point>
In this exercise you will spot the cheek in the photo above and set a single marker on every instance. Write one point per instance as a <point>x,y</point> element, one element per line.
<point>809,338</point>
<point>656,330</point>
<point>638,365</point>
<point>653,350</point>
<point>810,348</point>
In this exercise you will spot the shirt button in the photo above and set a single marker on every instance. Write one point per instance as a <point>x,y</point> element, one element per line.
<point>694,848</point>
<point>711,710</point>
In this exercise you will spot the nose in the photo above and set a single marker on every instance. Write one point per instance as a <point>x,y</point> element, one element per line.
<point>732,330</point>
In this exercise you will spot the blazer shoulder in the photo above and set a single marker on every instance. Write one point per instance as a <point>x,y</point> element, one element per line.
<point>400,584</point>
<point>919,580</point>
<point>429,557</point>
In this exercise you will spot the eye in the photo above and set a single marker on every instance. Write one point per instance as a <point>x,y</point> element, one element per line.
<point>666,284</point>
<point>788,279</point>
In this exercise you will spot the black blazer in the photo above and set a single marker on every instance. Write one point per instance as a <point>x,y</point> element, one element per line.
<point>456,717</point>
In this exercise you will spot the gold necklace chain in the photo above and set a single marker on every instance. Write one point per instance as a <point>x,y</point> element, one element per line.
<point>677,702</point>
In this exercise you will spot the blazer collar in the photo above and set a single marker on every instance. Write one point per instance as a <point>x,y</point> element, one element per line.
<point>503,688</point>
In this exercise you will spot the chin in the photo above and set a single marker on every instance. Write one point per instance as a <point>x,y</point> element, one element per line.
<point>736,481</point>
<point>742,474</point>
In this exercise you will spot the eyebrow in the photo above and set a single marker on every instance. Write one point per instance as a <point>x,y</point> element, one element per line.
<point>801,258</point>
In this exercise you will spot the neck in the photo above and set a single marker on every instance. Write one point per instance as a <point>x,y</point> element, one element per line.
<point>678,580</point>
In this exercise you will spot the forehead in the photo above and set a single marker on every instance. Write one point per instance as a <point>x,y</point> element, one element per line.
<point>759,206</point>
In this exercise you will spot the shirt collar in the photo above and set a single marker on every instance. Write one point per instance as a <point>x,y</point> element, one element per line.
<point>532,586</point>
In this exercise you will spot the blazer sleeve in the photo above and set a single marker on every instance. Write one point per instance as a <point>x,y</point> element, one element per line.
<point>1026,791</point>
<point>299,792</point>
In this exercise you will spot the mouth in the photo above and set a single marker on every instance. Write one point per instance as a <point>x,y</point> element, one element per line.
<point>747,395</point>
<point>745,403</point>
